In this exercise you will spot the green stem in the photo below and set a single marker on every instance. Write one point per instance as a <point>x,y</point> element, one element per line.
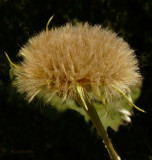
<point>91,111</point>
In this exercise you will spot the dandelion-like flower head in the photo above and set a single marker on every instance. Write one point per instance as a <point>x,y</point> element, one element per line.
<point>58,60</point>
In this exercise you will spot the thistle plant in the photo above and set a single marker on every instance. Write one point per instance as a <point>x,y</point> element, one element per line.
<point>80,62</point>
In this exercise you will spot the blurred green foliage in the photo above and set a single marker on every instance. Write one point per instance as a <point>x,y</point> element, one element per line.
<point>115,116</point>
<point>37,131</point>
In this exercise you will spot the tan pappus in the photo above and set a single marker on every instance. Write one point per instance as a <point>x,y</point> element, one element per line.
<point>60,60</point>
<point>89,55</point>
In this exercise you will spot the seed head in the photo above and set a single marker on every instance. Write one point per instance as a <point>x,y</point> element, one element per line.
<point>58,60</point>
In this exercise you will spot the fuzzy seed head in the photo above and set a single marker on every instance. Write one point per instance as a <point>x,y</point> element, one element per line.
<point>54,62</point>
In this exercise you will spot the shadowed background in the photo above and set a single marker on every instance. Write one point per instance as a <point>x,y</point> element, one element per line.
<point>37,131</point>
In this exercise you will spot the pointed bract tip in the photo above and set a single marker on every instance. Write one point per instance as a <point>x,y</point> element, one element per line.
<point>11,63</point>
<point>47,25</point>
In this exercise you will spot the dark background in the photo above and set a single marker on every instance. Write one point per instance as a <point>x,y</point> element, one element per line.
<point>36,131</point>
